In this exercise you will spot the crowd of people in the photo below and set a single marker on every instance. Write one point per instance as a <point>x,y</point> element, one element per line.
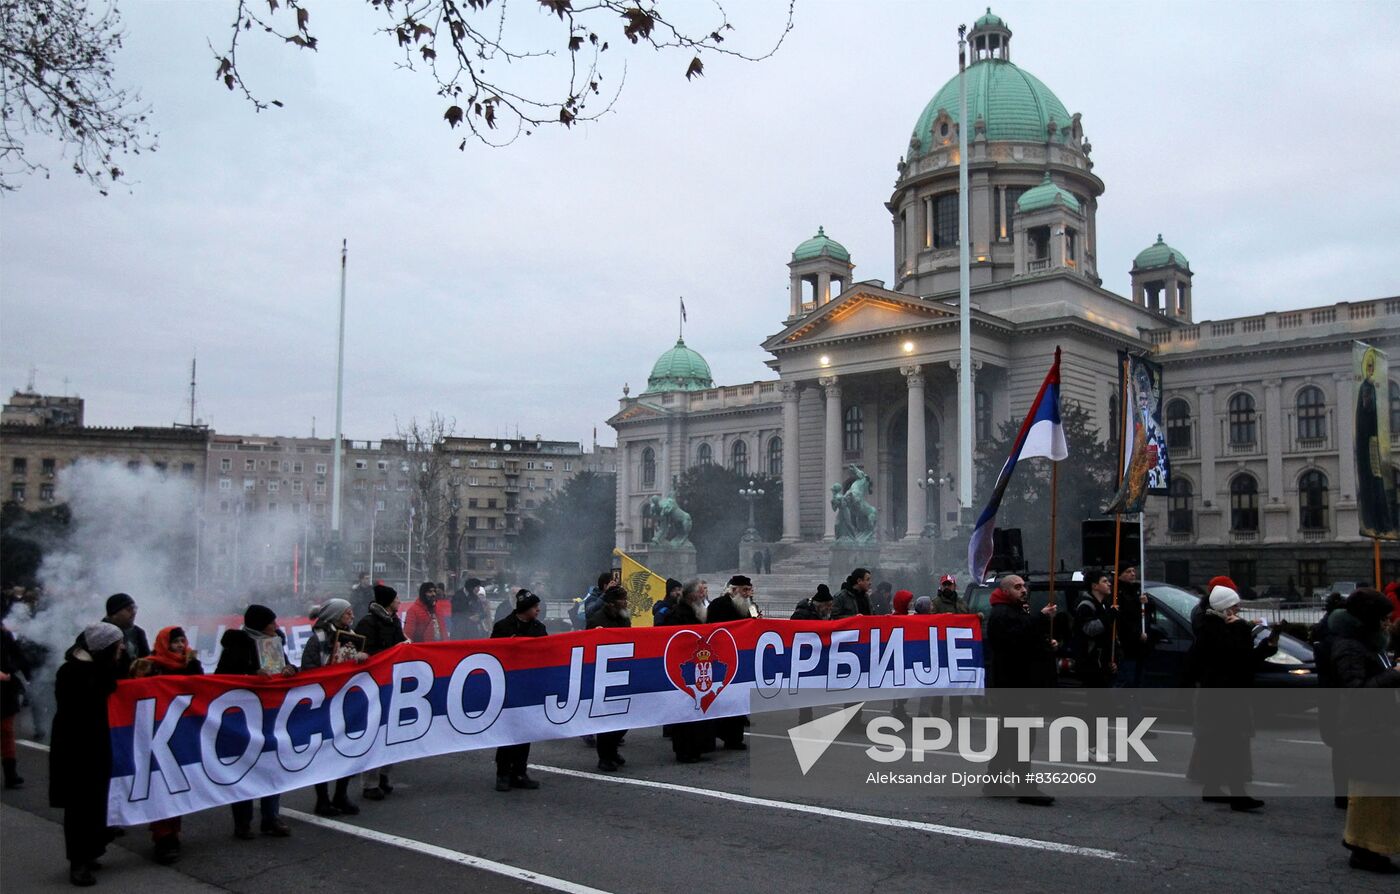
<point>1111,635</point>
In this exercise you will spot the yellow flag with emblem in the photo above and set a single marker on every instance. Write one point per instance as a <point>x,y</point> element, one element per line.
<point>644,587</point>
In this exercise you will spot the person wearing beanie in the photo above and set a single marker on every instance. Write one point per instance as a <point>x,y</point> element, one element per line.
<point>614,612</point>
<point>428,619</point>
<point>923,606</point>
<point>673,596</point>
<point>1198,613</point>
<point>513,760</point>
<point>258,649</point>
<point>902,600</point>
<point>80,752</point>
<point>382,630</point>
<point>470,613</point>
<point>854,598</point>
<point>816,607</point>
<point>1224,656</point>
<point>882,598</point>
<point>1358,659</point>
<point>734,604</point>
<point>121,611</point>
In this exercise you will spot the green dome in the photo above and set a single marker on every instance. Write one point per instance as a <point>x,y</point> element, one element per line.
<point>680,369</point>
<point>1012,102</point>
<point>819,245</point>
<point>1046,195</point>
<point>1160,254</point>
<point>989,20</point>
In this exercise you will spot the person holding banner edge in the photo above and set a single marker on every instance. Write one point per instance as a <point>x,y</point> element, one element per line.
<point>512,761</point>
<point>382,630</point>
<point>613,612</point>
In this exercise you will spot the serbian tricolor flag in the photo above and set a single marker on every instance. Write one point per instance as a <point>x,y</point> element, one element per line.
<point>1041,434</point>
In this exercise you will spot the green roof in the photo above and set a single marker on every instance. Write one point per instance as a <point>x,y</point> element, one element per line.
<point>819,245</point>
<point>1046,195</point>
<point>1012,102</point>
<point>1160,254</point>
<point>990,20</point>
<point>680,369</point>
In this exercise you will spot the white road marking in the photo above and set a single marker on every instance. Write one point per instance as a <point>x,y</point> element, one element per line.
<point>867,818</point>
<point>442,853</point>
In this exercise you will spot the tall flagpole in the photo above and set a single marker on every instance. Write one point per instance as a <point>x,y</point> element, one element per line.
<point>339,401</point>
<point>964,292</point>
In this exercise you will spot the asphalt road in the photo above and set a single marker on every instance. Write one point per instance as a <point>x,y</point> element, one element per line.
<point>659,826</point>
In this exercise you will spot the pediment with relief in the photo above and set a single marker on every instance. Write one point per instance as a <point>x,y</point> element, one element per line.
<point>861,313</point>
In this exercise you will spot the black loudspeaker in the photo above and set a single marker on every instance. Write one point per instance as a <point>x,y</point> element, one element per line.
<point>1007,554</point>
<point>1096,540</point>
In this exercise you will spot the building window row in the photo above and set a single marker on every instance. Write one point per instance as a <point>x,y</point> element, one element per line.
<point>1313,503</point>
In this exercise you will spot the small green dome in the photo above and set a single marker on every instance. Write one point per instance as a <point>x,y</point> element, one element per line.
<point>1045,195</point>
<point>990,20</point>
<point>1159,254</point>
<point>680,369</point>
<point>819,245</point>
<point>1012,102</point>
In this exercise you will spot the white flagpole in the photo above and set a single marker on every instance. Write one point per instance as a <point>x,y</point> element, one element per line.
<point>964,292</point>
<point>339,401</point>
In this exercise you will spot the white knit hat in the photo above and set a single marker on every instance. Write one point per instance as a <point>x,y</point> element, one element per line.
<point>1221,598</point>
<point>99,636</point>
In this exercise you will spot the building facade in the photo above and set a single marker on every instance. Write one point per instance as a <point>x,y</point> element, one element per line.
<point>866,374</point>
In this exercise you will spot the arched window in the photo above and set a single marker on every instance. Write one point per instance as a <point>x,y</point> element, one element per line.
<point>1179,513</point>
<point>983,427</point>
<point>775,457</point>
<point>648,468</point>
<point>1244,427</point>
<point>1178,425</point>
<point>855,428</point>
<point>704,455</point>
<point>1394,409</point>
<point>1312,501</point>
<point>945,221</point>
<point>739,458</point>
<point>1244,503</point>
<point>1312,414</point>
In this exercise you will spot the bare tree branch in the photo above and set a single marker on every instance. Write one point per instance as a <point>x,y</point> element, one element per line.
<point>56,80</point>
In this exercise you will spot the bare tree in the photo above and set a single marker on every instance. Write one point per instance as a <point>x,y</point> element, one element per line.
<point>477,60</point>
<point>433,485</point>
<point>56,81</point>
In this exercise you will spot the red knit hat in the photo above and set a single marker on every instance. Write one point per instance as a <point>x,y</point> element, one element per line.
<point>1221,581</point>
<point>902,598</point>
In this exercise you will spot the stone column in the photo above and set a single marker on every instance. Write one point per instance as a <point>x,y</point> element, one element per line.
<point>832,468</point>
<point>796,297</point>
<point>624,473</point>
<point>1207,439</point>
<point>792,518</point>
<point>917,463</point>
<point>1277,518</point>
<point>823,288</point>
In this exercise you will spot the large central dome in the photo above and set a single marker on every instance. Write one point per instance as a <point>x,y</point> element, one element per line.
<point>1012,103</point>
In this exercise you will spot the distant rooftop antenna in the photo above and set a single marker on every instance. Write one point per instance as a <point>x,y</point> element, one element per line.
<point>33,373</point>
<point>193,378</point>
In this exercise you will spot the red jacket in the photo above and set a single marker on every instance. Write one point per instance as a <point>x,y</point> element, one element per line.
<point>418,622</point>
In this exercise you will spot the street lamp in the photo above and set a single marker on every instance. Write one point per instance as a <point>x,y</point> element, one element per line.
<point>927,484</point>
<point>751,494</point>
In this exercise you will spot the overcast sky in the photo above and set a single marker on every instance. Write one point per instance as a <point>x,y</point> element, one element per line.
<point>524,286</point>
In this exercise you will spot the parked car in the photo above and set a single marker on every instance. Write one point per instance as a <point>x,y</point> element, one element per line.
<point>1345,587</point>
<point>1292,665</point>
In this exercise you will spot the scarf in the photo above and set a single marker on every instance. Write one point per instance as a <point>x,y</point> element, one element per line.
<point>163,657</point>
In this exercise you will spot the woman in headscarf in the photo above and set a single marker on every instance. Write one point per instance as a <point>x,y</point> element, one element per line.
<point>80,754</point>
<point>171,656</point>
<point>330,620</point>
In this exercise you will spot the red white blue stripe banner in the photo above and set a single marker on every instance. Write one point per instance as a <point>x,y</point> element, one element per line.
<point>181,744</point>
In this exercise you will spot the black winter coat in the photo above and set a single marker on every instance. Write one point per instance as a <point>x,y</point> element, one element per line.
<point>1224,655</point>
<point>681,613</point>
<point>380,629</point>
<point>80,751</point>
<point>240,653</point>
<point>1094,635</point>
<point>806,611</point>
<point>723,609</point>
<point>1367,728</point>
<point>850,603</point>
<point>599,617</point>
<point>511,625</point>
<point>1017,643</point>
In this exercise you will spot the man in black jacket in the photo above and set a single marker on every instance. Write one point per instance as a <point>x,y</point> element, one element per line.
<point>382,629</point>
<point>816,607</point>
<point>734,605</point>
<point>854,597</point>
<point>1095,617</point>
<point>1019,655</point>
<point>513,760</point>
<point>614,612</point>
<point>121,611</point>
